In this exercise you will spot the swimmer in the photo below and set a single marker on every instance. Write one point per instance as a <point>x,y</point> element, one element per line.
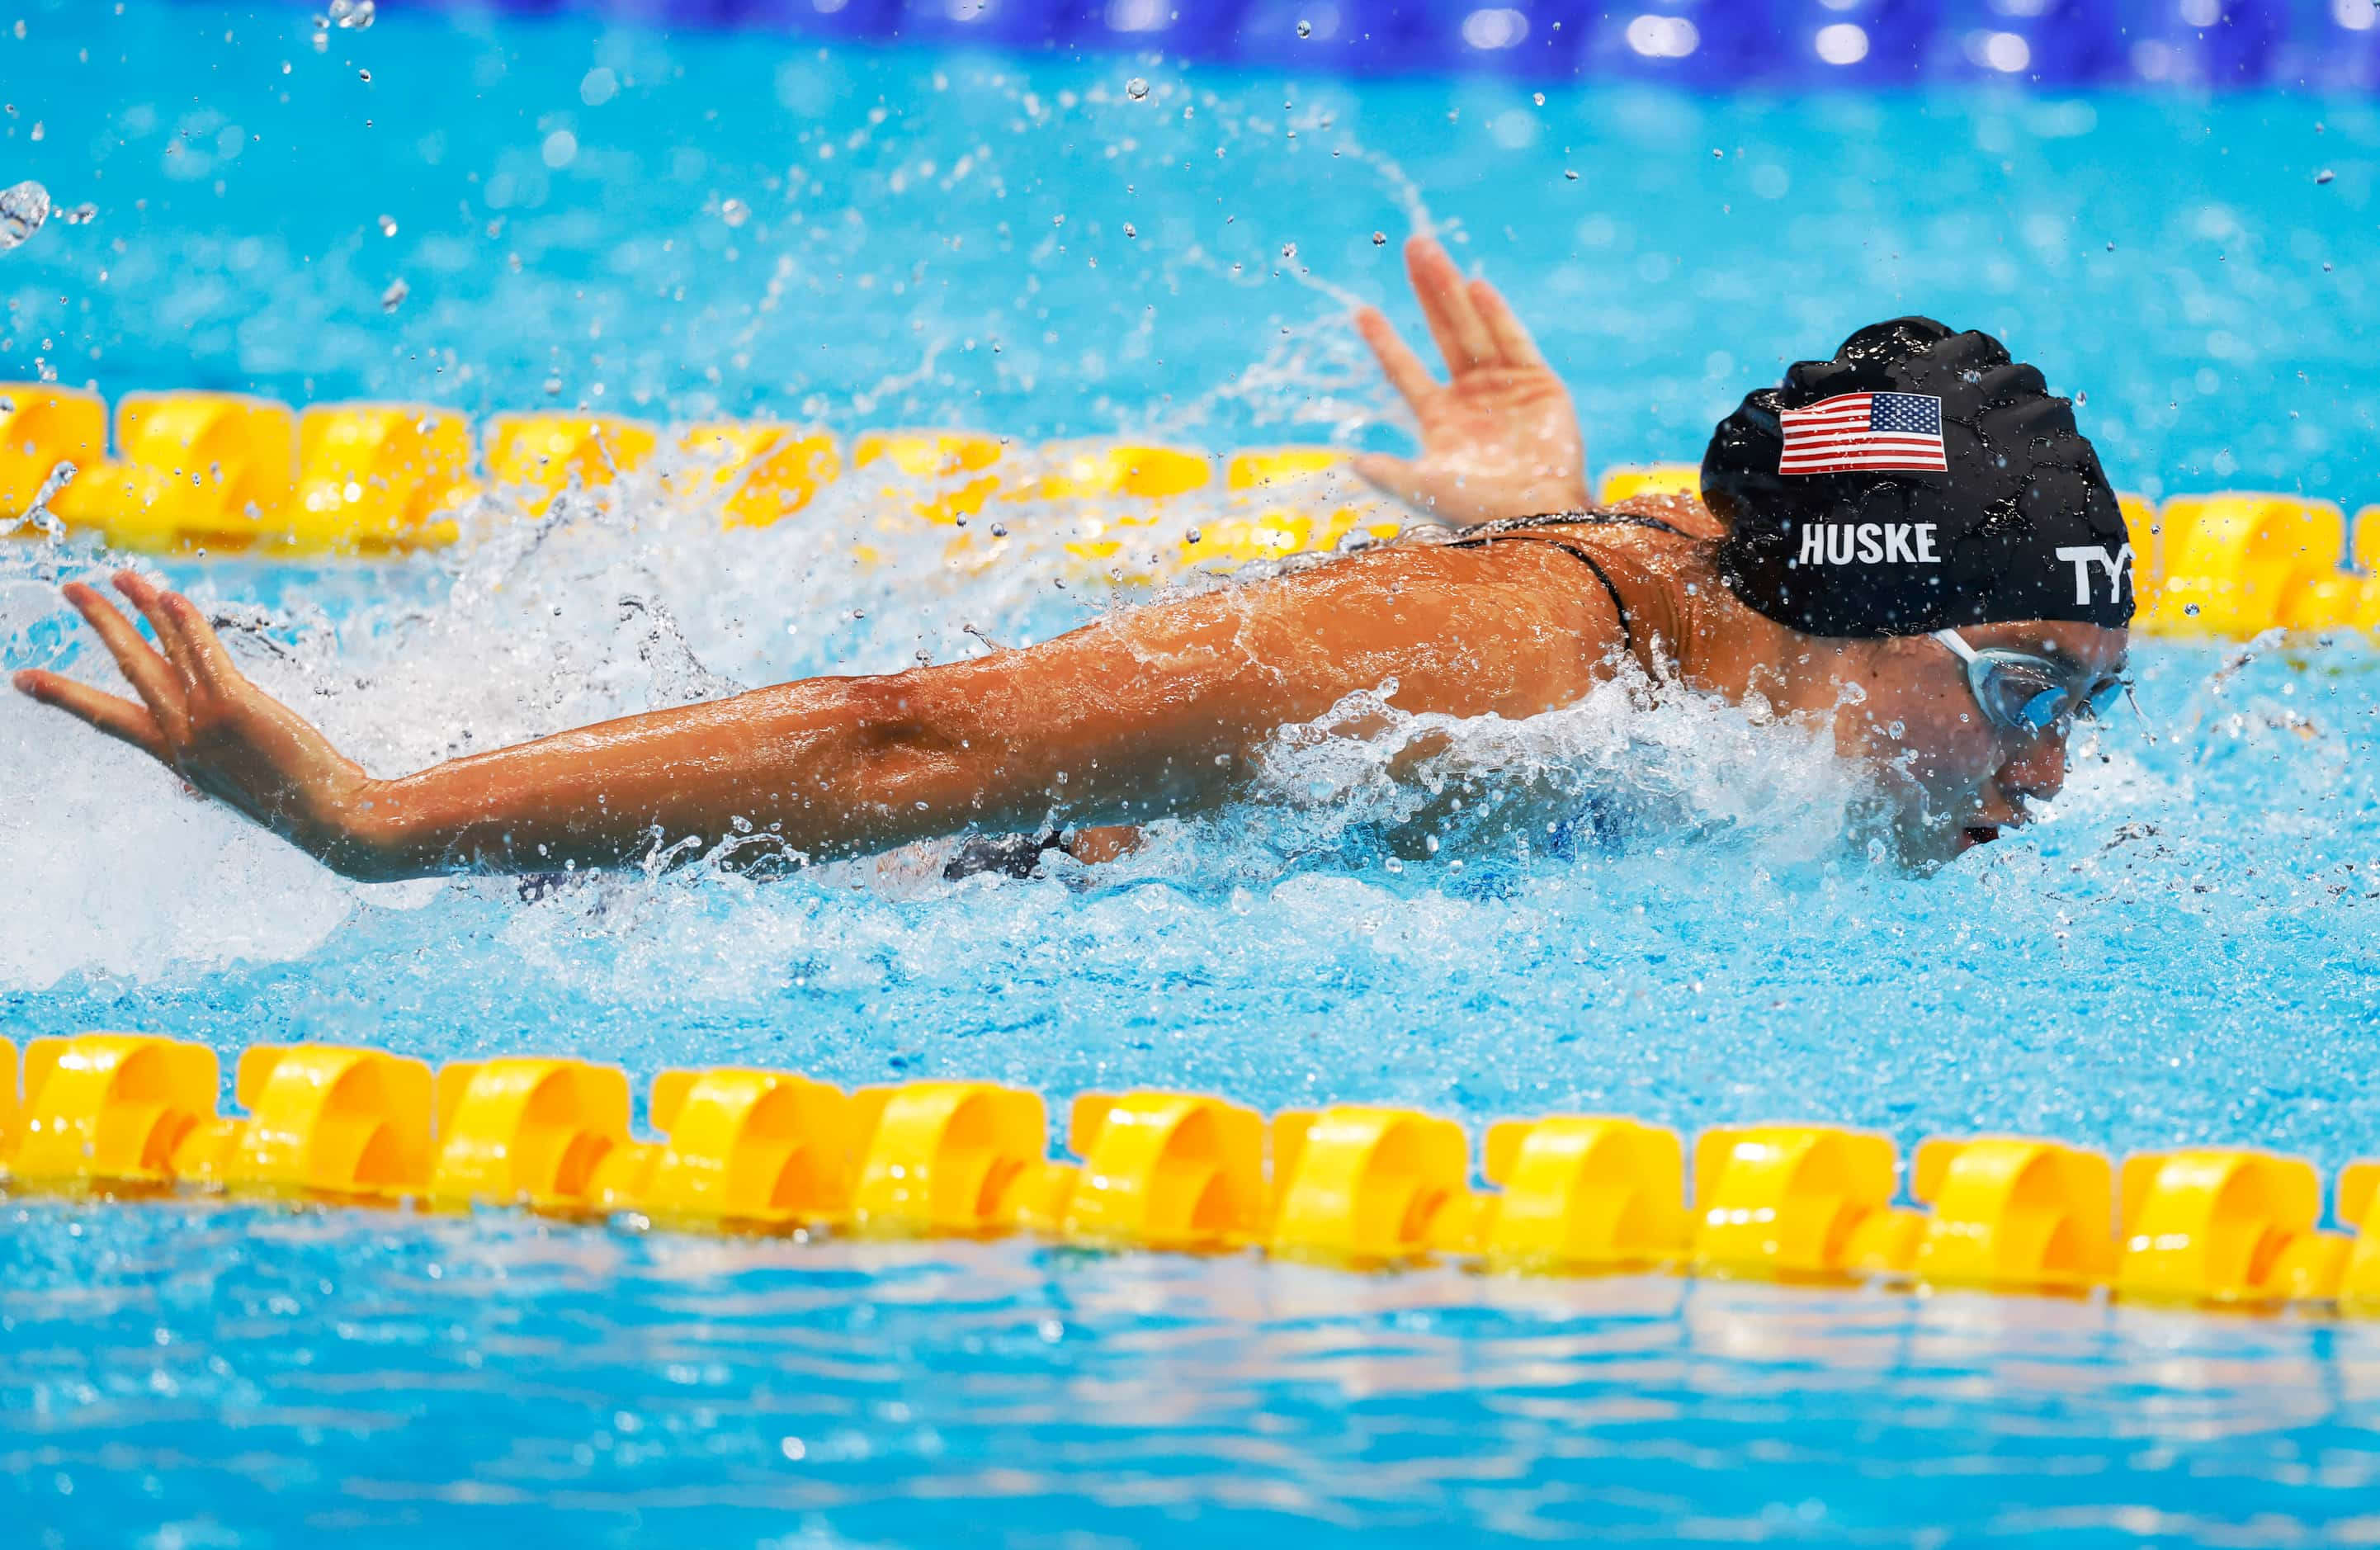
<point>1909,541</point>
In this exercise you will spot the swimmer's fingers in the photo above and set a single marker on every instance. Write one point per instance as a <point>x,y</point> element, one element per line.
<point>150,601</point>
<point>1445,299</point>
<point>209,660</point>
<point>120,719</point>
<point>149,674</point>
<point>1404,368</point>
<point>1513,341</point>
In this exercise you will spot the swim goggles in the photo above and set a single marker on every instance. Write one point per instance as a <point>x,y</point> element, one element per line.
<point>2030,695</point>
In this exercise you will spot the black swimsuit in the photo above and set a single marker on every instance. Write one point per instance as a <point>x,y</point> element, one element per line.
<point>1518,528</point>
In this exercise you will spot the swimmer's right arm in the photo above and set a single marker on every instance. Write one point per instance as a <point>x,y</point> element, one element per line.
<point>1500,437</point>
<point>1143,714</point>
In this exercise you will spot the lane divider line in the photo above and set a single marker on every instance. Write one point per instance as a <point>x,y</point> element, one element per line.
<point>224,474</point>
<point>133,1117</point>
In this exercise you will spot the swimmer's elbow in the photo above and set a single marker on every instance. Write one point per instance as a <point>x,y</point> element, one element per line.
<point>904,713</point>
<point>911,742</point>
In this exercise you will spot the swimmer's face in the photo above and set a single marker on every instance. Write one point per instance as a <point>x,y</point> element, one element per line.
<point>1961,781</point>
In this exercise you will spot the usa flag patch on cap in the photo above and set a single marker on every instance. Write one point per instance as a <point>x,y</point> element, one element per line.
<point>1865,433</point>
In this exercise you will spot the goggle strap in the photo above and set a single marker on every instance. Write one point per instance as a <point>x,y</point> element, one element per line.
<point>2147,730</point>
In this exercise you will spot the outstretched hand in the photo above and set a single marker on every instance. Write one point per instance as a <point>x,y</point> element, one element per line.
<point>198,715</point>
<point>1500,438</point>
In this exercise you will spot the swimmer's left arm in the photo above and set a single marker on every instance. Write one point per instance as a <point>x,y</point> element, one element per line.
<point>1163,709</point>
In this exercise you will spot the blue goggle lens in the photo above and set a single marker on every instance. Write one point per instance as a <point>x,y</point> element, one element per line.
<point>2041,713</point>
<point>2026,700</point>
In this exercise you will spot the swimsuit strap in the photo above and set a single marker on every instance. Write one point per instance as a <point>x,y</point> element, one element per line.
<point>1518,529</point>
<point>1481,531</point>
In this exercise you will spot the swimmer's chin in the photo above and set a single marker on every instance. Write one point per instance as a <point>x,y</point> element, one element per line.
<point>1919,846</point>
<point>1937,849</point>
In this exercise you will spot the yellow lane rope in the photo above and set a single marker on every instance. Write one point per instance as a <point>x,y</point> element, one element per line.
<point>118,1116</point>
<point>220,473</point>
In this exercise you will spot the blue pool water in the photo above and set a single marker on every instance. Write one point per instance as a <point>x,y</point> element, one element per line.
<point>2187,953</point>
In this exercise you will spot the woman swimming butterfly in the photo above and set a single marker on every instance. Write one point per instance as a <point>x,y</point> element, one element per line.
<point>1917,517</point>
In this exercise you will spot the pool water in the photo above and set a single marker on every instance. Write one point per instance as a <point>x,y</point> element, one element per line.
<point>2185,954</point>
<point>217,1378</point>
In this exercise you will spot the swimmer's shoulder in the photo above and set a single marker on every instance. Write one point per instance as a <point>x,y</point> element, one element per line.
<point>1645,553</point>
<point>1685,512</point>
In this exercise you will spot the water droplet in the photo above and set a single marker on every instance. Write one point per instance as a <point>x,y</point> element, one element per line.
<point>1570,174</point>
<point>2111,247</point>
<point>1000,530</point>
<point>1130,230</point>
<point>2081,397</point>
<point>1196,536</point>
<point>393,297</point>
<point>734,211</point>
<point>353,13</point>
<point>1718,154</point>
<point>1289,250</point>
<point>2191,609</point>
<point>22,211</point>
<point>79,214</point>
<point>364,75</point>
<point>388,226</point>
<point>1538,98</point>
<point>1135,89</point>
<point>1305,27</point>
<point>1379,239</point>
<point>39,514</point>
<point>2325,268</point>
<point>2325,176</point>
<point>1971,375</point>
<point>553,387</point>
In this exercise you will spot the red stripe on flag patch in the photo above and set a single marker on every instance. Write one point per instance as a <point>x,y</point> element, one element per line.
<point>1870,433</point>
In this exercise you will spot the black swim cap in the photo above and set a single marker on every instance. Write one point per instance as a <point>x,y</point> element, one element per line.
<point>1919,480</point>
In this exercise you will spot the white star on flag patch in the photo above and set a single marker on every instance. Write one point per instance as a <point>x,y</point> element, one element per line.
<point>1865,433</point>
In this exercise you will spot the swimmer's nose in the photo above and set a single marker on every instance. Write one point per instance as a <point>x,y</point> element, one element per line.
<point>2037,771</point>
